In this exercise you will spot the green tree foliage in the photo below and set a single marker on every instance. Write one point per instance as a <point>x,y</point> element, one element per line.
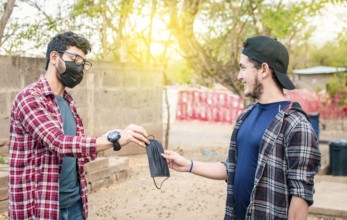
<point>337,88</point>
<point>208,34</point>
<point>6,13</point>
<point>332,53</point>
<point>213,51</point>
<point>27,34</point>
<point>125,28</point>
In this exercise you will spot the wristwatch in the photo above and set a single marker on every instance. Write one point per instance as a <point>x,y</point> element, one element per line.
<point>114,137</point>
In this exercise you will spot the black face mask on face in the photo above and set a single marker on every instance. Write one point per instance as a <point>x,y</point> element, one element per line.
<point>72,75</point>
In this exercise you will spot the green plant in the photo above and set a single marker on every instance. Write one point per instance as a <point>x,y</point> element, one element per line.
<point>2,160</point>
<point>337,88</point>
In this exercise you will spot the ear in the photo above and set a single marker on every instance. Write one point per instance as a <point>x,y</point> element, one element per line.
<point>266,71</point>
<point>54,57</point>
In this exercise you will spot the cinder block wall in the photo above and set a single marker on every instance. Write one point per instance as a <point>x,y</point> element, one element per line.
<point>111,95</point>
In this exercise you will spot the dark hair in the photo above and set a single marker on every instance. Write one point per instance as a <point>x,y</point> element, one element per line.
<point>63,41</point>
<point>258,64</point>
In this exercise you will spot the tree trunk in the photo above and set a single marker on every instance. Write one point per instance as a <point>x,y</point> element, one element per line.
<point>5,17</point>
<point>203,64</point>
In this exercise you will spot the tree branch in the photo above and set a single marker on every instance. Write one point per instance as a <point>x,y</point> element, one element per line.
<point>5,17</point>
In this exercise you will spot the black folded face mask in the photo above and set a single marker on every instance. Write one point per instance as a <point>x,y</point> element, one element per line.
<point>157,164</point>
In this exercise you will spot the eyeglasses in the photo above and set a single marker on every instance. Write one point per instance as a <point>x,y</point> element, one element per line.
<point>86,65</point>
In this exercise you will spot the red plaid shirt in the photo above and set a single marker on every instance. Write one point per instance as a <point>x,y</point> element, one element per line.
<point>37,147</point>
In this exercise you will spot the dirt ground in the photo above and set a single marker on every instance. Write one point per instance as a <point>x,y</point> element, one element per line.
<point>183,196</point>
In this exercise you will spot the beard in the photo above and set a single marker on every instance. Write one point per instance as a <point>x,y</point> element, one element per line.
<point>257,90</point>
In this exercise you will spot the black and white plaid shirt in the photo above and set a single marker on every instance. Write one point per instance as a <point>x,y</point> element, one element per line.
<point>288,160</point>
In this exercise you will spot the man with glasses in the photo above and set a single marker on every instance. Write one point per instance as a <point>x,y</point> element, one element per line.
<point>48,148</point>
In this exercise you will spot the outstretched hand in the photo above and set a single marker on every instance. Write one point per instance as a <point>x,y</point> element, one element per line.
<point>134,133</point>
<point>176,161</point>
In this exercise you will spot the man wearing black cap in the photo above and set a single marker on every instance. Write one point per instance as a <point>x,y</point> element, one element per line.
<point>273,155</point>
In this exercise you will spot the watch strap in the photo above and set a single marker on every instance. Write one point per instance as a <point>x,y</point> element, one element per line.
<point>116,145</point>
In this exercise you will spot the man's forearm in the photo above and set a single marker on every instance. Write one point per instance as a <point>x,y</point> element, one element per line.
<point>102,144</point>
<point>210,170</point>
<point>298,209</point>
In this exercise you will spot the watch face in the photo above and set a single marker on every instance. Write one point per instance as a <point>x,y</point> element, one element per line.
<point>114,135</point>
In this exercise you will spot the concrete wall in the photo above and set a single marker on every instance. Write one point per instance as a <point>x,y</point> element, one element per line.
<point>111,95</point>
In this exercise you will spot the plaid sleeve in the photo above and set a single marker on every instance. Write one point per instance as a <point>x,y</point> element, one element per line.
<point>41,121</point>
<point>303,157</point>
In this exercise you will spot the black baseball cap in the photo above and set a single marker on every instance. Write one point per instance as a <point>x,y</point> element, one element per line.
<point>269,50</point>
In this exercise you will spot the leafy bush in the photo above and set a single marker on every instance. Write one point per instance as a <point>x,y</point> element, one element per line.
<point>337,88</point>
<point>2,160</point>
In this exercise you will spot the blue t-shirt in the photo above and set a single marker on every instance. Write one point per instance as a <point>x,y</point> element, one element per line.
<point>248,143</point>
<point>69,188</point>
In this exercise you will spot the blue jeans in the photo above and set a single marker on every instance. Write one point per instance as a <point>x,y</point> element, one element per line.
<point>74,212</point>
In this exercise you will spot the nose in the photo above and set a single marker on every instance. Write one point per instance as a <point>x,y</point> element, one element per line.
<point>239,76</point>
